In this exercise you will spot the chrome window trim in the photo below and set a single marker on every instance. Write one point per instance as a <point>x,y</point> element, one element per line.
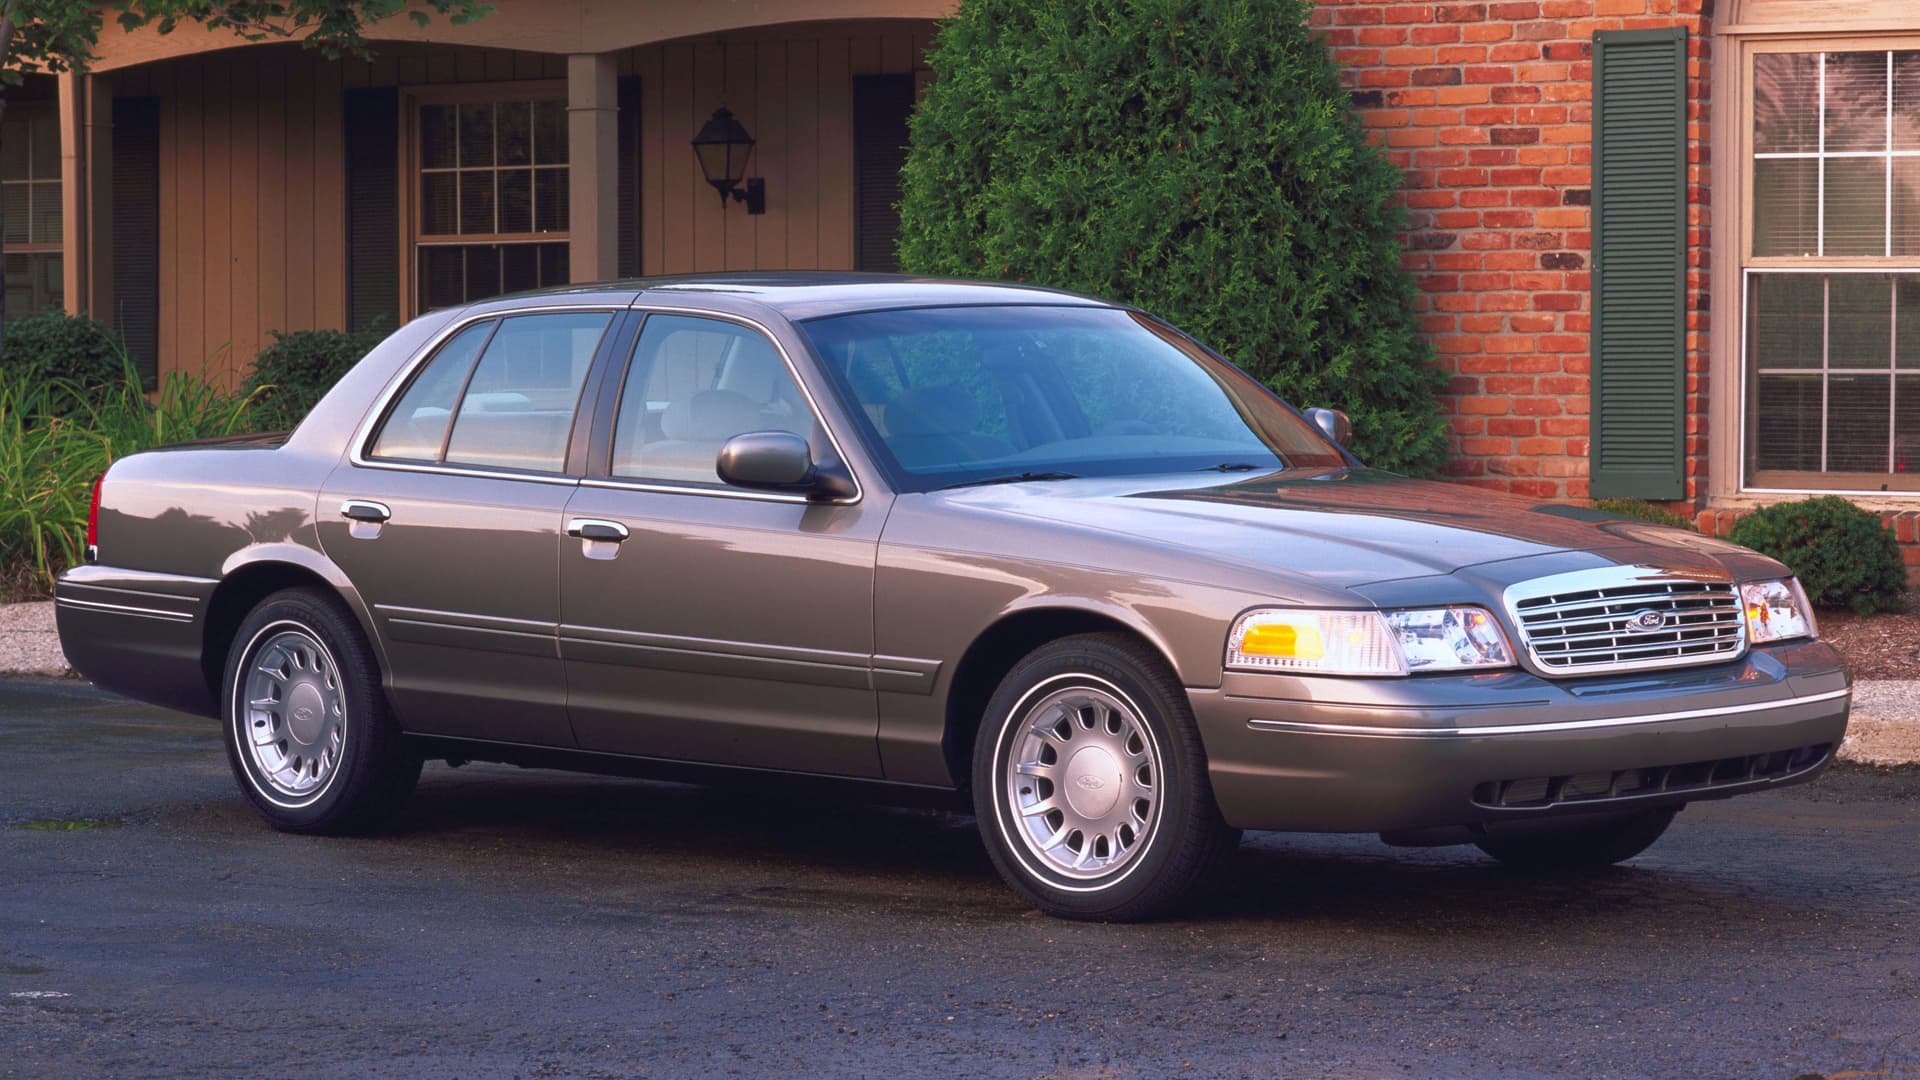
<point>368,430</point>
<point>1547,727</point>
<point>1618,577</point>
<point>793,371</point>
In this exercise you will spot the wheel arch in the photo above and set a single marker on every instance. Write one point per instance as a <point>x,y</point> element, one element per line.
<point>997,648</point>
<point>253,574</point>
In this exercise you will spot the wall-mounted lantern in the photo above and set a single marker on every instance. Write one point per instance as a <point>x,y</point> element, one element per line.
<point>724,147</point>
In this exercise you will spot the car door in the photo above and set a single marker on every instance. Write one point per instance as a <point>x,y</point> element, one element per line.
<point>705,622</point>
<point>448,520</point>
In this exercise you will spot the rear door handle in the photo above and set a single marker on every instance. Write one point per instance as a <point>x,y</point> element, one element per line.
<point>596,529</point>
<point>365,510</point>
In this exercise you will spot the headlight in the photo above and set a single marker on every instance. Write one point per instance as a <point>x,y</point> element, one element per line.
<point>1367,642</point>
<point>1776,611</point>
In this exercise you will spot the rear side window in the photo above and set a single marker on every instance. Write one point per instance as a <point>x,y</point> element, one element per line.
<point>508,388</point>
<point>416,429</point>
<point>518,408</point>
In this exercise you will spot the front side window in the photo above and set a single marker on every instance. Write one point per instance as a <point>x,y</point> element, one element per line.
<point>1831,279</point>
<point>30,193</point>
<point>491,211</point>
<point>695,383</point>
<point>498,395</point>
<point>951,395</point>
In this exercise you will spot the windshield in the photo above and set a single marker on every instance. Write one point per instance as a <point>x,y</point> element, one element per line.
<point>970,394</point>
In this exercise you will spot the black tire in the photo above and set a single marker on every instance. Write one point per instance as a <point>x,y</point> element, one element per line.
<point>362,769</point>
<point>1585,845</point>
<point>1177,843</point>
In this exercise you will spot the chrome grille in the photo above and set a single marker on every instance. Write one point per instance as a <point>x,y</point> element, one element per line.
<point>1626,619</point>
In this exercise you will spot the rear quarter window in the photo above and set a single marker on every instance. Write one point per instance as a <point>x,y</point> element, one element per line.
<point>500,394</point>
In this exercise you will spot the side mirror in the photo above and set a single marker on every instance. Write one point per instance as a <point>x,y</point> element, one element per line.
<point>1332,423</point>
<point>779,461</point>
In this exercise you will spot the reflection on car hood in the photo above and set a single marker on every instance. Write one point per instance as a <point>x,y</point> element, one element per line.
<point>1347,527</point>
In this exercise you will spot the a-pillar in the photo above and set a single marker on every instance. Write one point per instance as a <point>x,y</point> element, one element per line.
<point>593,147</point>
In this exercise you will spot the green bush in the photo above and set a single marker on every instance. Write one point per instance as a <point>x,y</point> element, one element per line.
<point>71,354</point>
<point>1197,158</point>
<point>1842,554</point>
<point>1642,510</point>
<point>49,457</point>
<point>296,371</point>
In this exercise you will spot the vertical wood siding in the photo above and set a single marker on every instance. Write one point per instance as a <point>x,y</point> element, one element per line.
<point>793,90</point>
<point>252,172</point>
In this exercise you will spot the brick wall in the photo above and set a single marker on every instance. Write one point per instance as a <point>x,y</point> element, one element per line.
<point>1488,107</point>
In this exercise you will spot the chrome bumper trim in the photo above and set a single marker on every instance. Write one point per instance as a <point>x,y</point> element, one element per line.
<point>1380,731</point>
<point>127,609</point>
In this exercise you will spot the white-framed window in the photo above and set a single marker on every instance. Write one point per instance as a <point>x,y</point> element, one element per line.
<point>1830,270</point>
<point>30,191</point>
<point>488,191</point>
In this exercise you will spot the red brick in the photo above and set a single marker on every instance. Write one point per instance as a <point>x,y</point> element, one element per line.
<point>1511,425</point>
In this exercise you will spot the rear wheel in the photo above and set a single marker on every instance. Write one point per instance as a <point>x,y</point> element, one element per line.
<point>1090,783</point>
<point>1574,846</point>
<point>309,736</point>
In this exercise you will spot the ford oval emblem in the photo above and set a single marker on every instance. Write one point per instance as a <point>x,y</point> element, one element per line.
<point>1645,621</point>
<point>303,714</point>
<point>1089,782</point>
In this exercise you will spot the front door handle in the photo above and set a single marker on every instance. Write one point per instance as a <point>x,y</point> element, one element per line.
<point>365,510</point>
<point>595,529</point>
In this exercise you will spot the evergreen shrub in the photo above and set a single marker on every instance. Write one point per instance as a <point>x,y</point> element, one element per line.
<point>1843,555</point>
<point>1196,158</point>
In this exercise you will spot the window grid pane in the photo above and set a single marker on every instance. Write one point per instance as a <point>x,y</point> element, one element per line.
<point>474,175</point>
<point>1832,356</point>
<point>30,187</point>
<point>1823,350</point>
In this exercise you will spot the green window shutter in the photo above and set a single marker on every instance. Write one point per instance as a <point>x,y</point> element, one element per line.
<point>628,211</point>
<point>372,118</point>
<point>882,109</point>
<point>1639,264</point>
<point>136,231</point>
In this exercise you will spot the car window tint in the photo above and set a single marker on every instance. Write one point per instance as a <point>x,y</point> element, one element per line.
<point>694,384</point>
<point>518,408</point>
<point>417,426</point>
<point>957,394</point>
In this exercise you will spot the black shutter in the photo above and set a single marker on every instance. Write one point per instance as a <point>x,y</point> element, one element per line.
<point>628,253</point>
<point>373,207</point>
<point>882,105</point>
<point>136,231</point>
<point>1639,264</point>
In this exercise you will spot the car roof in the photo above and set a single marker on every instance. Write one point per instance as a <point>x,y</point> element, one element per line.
<point>799,295</point>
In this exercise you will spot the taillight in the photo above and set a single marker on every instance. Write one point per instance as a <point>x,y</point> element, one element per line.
<point>93,517</point>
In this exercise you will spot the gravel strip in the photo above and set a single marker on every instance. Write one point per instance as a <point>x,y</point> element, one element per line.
<point>28,643</point>
<point>1885,728</point>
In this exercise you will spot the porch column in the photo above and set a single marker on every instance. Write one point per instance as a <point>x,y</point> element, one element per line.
<point>73,179</point>
<point>99,200</point>
<point>593,147</point>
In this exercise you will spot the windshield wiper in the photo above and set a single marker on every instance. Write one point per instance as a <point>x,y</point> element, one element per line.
<point>1019,478</point>
<point>1237,466</point>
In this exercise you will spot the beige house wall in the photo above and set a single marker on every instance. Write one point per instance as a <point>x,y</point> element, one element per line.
<point>252,170</point>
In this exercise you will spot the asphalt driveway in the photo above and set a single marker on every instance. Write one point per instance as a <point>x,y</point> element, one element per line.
<point>525,923</point>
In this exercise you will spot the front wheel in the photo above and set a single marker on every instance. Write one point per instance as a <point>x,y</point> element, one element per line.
<point>1090,783</point>
<point>1586,845</point>
<point>309,735</point>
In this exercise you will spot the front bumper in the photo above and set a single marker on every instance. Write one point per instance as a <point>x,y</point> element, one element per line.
<point>1421,753</point>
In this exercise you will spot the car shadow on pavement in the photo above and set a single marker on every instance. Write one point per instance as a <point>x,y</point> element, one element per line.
<point>746,839</point>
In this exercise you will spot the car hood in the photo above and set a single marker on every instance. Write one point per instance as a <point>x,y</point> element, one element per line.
<point>1353,527</point>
